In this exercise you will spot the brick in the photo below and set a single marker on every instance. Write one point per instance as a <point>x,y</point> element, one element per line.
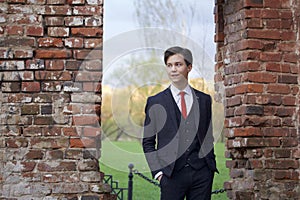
<point>92,176</point>
<point>73,65</point>
<point>49,54</point>
<point>24,42</point>
<point>74,188</point>
<point>49,143</point>
<point>85,120</point>
<point>263,34</point>
<point>53,75</point>
<point>30,109</point>
<point>70,131</point>
<point>87,32</point>
<point>52,166</point>
<point>260,77</point>
<point>51,86</point>
<point>291,57</point>
<point>43,120</point>
<point>32,131</point>
<point>55,155</point>
<point>34,31</point>
<point>56,10</point>
<point>270,57</point>
<point>16,143</point>
<point>82,143</point>
<point>289,101</point>
<point>76,2</point>
<point>92,65</point>
<point>73,42</point>
<point>24,19</point>
<point>36,2</point>
<point>94,2</point>
<point>278,89</point>
<point>290,79</point>
<point>58,32</point>
<point>271,4</point>
<point>247,66</point>
<point>42,98</point>
<point>270,14</point>
<point>254,164</point>
<point>46,109</point>
<point>55,65</point>
<point>92,43</point>
<point>282,174</point>
<point>11,87</point>
<point>31,86</point>
<point>281,164</point>
<point>12,65</point>
<point>93,21</point>
<point>50,42</point>
<point>52,131</point>
<point>288,35</point>
<point>276,132</point>
<point>88,165</point>
<point>34,155</point>
<point>35,64</point>
<point>277,67</point>
<point>289,142</point>
<point>87,10</point>
<point>282,153</point>
<point>247,132</point>
<point>88,76</point>
<point>15,30</point>
<point>55,2</point>
<point>74,21</point>
<point>249,88</point>
<point>91,132</point>
<point>285,112</point>
<point>70,177</point>
<point>23,53</point>
<point>74,154</point>
<point>54,21</point>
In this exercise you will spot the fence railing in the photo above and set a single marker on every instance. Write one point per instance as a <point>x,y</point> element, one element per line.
<point>120,192</point>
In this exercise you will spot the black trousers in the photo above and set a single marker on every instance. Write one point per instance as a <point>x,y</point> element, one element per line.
<point>187,183</point>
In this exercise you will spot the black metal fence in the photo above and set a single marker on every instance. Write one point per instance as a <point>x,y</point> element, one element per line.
<point>120,192</point>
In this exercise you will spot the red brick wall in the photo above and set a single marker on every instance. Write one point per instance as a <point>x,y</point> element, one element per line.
<point>50,78</point>
<point>258,65</point>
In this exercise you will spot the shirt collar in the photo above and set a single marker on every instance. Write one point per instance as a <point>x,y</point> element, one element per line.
<point>175,91</point>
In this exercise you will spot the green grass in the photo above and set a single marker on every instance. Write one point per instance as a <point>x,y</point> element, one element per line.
<point>117,155</point>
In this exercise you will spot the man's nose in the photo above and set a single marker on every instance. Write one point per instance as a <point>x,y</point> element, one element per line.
<point>173,68</point>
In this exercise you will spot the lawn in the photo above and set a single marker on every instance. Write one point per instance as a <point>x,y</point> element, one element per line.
<point>117,155</point>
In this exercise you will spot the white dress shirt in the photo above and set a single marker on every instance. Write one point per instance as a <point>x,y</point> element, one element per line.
<point>188,97</point>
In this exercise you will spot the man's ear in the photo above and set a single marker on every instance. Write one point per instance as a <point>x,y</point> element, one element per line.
<point>189,67</point>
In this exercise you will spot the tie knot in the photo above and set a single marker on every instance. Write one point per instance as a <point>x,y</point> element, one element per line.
<point>182,93</point>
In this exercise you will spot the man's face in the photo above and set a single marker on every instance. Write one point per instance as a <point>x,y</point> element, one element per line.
<point>177,69</point>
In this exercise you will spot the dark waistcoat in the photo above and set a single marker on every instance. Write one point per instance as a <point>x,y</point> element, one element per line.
<point>189,145</point>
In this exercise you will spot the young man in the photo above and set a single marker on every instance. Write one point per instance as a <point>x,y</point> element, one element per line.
<point>178,140</point>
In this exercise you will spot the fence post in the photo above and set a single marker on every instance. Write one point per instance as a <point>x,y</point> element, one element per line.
<point>130,176</point>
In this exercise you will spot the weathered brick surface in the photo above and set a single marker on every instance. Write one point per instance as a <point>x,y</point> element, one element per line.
<point>49,122</point>
<point>258,63</point>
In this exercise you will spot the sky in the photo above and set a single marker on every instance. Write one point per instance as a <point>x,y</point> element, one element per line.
<point>120,32</point>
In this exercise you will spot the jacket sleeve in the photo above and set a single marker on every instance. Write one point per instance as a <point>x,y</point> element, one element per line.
<point>149,139</point>
<point>207,147</point>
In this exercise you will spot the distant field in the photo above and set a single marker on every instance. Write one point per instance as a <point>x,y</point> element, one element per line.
<point>117,155</point>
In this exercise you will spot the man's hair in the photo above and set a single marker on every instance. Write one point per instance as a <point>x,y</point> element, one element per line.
<point>186,53</point>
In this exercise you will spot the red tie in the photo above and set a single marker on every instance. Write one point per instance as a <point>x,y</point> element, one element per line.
<point>183,105</point>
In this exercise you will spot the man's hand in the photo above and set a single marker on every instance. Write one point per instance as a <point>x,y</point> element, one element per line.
<point>159,178</point>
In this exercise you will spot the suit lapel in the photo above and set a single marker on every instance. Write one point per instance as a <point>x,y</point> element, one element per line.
<point>169,105</point>
<point>196,108</point>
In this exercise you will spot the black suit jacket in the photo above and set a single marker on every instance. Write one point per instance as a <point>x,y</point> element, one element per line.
<point>161,136</point>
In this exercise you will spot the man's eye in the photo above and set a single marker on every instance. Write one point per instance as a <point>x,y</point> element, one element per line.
<point>178,64</point>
